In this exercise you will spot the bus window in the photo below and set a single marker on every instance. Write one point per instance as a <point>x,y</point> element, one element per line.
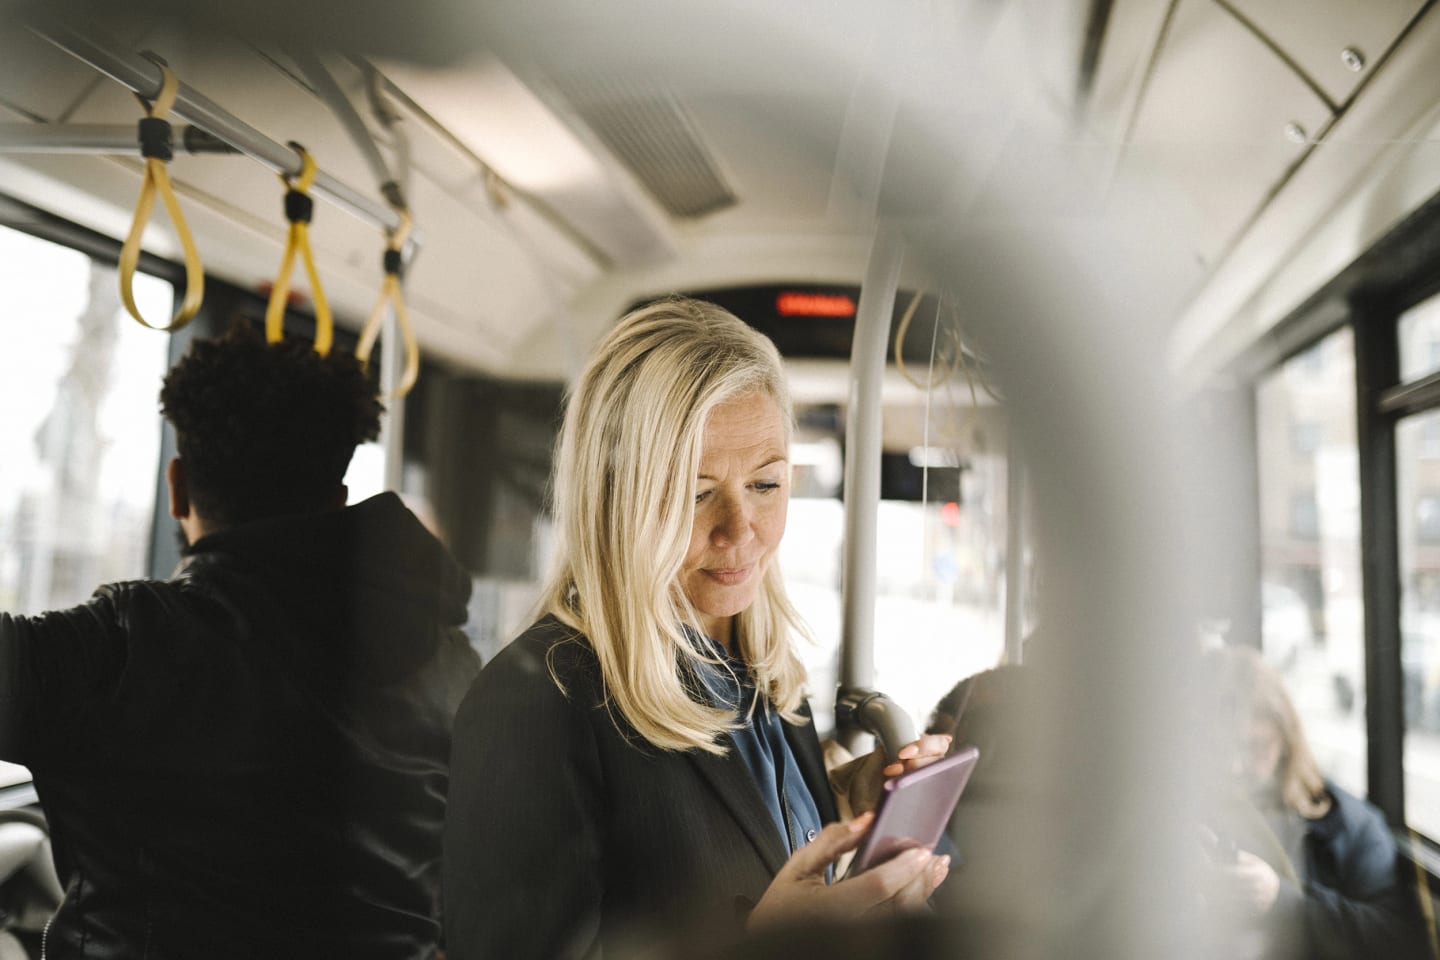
<point>78,379</point>
<point>1312,622</point>
<point>366,474</point>
<point>1420,340</point>
<point>1417,461</point>
<point>941,539</point>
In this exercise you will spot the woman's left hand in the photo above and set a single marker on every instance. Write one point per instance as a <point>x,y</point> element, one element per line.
<point>929,748</point>
<point>860,781</point>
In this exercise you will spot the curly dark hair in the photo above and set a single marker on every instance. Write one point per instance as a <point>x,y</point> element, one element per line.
<point>265,429</point>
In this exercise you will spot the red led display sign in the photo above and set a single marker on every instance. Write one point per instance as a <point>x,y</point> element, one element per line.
<point>794,304</point>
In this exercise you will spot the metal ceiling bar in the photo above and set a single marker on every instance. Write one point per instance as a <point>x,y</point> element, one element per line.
<point>1095,27</point>
<point>537,204</point>
<point>97,138</point>
<point>329,92</point>
<point>1016,515</point>
<point>144,78</point>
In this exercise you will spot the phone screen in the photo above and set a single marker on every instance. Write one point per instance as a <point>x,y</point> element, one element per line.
<point>914,809</point>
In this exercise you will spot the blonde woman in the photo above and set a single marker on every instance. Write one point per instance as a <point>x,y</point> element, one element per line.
<point>1325,880</point>
<point>642,759</point>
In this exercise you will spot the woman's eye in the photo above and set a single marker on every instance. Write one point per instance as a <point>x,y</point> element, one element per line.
<point>701,496</point>
<point>765,486</point>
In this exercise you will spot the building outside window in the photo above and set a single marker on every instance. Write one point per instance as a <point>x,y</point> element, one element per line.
<point>79,381</point>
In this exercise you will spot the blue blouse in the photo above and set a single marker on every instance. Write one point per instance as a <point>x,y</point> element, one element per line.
<point>762,745</point>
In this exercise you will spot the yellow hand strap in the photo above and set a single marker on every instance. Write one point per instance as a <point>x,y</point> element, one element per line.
<point>155,147</point>
<point>298,210</point>
<point>391,293</point>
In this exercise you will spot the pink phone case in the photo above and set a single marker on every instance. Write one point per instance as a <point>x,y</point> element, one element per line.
<point>914,809</point>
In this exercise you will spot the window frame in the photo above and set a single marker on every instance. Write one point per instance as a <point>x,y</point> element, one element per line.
<point>223,303</point>
<point>1369,296</point>
<point>41,224</point>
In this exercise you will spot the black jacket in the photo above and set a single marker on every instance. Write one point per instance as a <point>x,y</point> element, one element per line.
<point>250,760</point>
<point>1355,901</point>
<point>568,832</point>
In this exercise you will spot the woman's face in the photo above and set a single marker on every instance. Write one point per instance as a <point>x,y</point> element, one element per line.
<point>741,495</point>
<point>1258,751</point>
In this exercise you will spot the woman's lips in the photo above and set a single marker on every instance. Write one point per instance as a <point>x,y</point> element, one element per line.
<point>729,576</point>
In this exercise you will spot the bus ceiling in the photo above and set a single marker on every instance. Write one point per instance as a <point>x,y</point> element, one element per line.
<point>585,160</point>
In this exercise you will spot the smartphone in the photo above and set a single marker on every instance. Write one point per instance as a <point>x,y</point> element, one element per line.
<point>914,809</point>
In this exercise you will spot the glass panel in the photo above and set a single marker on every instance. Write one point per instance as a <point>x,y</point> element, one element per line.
<point>79,382</point>
<point>1420,340</point>
<point>1312,625</point>
<point>1418,482</point>
<point>365,477</point>
<point>810,557</point>
<point>940,591</point>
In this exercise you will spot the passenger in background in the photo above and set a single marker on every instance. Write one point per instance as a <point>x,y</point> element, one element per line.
<point>976,696</point>
<point>1325,879</point>
<point>995,819</point>
<point>988,905</point>
<point>251,760</point>
<point>643,758</point>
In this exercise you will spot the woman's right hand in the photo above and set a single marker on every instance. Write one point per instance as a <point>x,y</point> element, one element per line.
<point>799,892</point>
<point>1249,886</point>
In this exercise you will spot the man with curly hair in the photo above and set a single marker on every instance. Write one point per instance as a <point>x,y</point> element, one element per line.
<point>251,759</point>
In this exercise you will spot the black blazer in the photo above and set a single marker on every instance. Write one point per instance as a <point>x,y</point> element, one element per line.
<point>566,831</point>
<point>249,761</point>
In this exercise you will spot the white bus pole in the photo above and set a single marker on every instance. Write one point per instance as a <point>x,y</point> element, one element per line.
<point>862,460</point>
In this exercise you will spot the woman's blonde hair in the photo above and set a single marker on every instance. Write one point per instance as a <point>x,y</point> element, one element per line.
<point>1255,692</point>
<point>624,498</point>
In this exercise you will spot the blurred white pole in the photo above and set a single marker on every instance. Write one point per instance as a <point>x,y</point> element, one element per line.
<point>1015,536</point>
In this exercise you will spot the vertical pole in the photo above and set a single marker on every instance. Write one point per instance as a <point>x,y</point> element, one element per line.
<point>1016,510</point>
<point>392,426</point>
<point>862,457</point>
<point>1377,367</point>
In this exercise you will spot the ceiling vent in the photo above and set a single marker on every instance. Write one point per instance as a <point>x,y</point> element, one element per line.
<point>648,129</point>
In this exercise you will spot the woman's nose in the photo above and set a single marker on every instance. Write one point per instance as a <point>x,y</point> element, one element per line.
<point>732,525</point>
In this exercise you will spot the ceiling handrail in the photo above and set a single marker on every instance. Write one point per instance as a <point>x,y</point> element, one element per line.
<point>93,139</point>
<point>144,78</point>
